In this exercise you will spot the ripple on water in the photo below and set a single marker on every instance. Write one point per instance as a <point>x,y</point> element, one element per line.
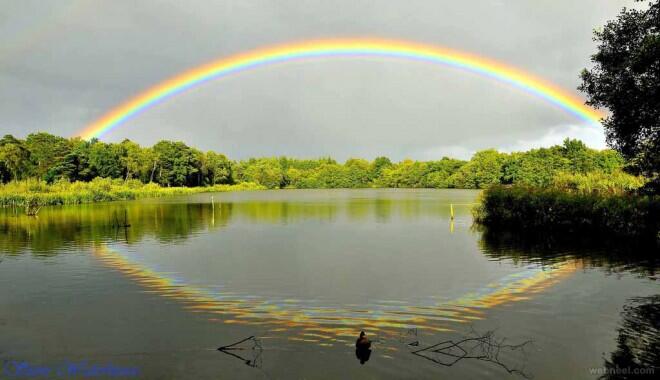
<point>309,319</point>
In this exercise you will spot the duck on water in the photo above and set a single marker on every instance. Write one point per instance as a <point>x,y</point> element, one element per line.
<point>363,348</point>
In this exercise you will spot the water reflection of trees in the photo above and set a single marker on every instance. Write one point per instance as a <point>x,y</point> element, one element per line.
<point>638,342</point>
<point>61,228</point>
<point>597,252</point>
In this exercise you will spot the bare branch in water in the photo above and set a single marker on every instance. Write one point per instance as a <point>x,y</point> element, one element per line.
<point>485,347</point>
<point>256,350</point>
<point>232,346</point>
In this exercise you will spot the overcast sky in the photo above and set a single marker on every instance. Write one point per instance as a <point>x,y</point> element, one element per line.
<point>64,63</point>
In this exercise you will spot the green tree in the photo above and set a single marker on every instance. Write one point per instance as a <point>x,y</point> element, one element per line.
<point>105,160</point>
<point>133,160</point>
<point>358,172</point>
<point>264,171</point>
<point>407,173</point>
<point>219,168</point>
<point>609,161</point>
<point>294,178</point>
<point>625,79</point>
<point>176,163</point>
<point>75,165</point>
<point>378,165</point>
<point>14,156</point>
<point>46,152</point>
<point>484,169</point>
<point>331,176</point>
<point>581,158</point>
<point>536,167</point>
<point>439,172</point>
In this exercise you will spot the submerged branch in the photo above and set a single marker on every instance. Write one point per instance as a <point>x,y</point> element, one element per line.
<point>232,346</point>
<point>485,347</point>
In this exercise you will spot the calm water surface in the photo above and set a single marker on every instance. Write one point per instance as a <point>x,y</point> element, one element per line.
<point>304,272</point>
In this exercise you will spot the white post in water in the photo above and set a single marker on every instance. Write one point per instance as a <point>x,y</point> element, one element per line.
<point>212,211</point>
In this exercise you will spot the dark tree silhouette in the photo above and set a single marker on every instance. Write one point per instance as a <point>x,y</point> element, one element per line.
<point>625,79</point>
<point>638,344</point>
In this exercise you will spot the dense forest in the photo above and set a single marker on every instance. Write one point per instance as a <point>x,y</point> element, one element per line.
<point>51,159</point>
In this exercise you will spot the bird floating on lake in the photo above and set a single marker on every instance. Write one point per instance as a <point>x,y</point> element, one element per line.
<point>362,341</point>
<point>363,348</point>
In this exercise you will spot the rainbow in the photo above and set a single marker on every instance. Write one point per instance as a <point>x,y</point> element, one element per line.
<point>332,323</point>
<point>350,47</point>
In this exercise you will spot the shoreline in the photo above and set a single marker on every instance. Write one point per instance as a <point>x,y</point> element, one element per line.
<point>39,194</point>
<point>26,194</point>
<point>560,212</point>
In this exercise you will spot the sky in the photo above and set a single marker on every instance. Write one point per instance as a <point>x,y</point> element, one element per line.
<point>63,64</point>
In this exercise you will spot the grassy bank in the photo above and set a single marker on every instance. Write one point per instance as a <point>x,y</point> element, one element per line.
<point>573,205</point>
<point>38,193</point>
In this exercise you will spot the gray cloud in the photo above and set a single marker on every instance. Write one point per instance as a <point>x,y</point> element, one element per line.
<point>62,64</point>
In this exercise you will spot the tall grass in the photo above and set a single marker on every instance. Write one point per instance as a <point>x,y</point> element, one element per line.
<point>616,182</point>
<point>32,193</point>
<point>584,204</point>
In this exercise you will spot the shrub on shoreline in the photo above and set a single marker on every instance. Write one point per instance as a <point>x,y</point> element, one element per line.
<point>617,182</point>
<point>613,211</point>
<point>31,192</point>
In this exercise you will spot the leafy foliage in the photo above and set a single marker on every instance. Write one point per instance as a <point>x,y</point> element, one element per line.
<point>483,170</point>
<point>174,164</point>
<point>580,204</point>
<point>625,79</point>
<point>617,182</point>
<point>33,192</point>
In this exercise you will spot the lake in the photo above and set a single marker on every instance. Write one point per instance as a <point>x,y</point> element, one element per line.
<point>152,288</point>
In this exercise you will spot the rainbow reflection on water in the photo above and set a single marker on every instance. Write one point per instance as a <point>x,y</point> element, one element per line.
<point>310,321</point>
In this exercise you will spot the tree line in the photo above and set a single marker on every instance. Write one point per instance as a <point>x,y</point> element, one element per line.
<point>53,158</point>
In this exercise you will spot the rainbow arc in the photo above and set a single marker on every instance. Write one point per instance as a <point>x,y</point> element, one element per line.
<point>350,47</point>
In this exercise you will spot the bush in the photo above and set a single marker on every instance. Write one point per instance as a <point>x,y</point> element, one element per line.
<point>617,182</point>
<point>615,213</point>
<point>33,192</point>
